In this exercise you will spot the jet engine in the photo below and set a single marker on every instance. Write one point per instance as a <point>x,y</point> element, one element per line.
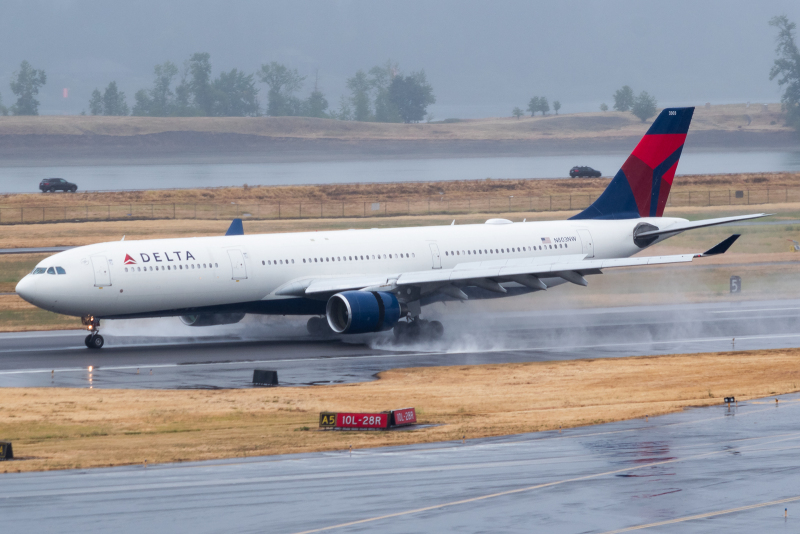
<point>357,312</point>
<point>211,319</point>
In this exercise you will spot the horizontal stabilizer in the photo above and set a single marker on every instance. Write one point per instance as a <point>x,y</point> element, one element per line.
<point>722,247</point>
<point>691,225</point>
<point>235,228</point>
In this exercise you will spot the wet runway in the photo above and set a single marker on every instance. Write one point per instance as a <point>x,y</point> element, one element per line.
<point>224,357</point>
<point>703,470</point>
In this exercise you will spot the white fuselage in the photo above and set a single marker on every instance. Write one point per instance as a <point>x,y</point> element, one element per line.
<point>169,274</point>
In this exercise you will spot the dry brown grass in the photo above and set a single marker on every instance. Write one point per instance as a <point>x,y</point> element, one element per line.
<point>412,191</point>
<point>61,428</point>
<point>574,126</point>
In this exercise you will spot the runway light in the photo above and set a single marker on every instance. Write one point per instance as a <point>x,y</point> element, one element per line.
<point>90,368</point>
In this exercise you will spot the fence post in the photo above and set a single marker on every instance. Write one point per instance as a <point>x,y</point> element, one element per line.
<point>551,202</point>
<point>42,214</point>
<point>300,214</point>
<point>65,213</point>
<point>408,206</point>
<point>87,212</point>
<point>768,195</point>
<point>195,210</point>
<point>748,197</point>
<point>429,205</point>
<point>173,210</point>
<point>729,197</point>
<point>152,212</point>
<point>279,209</point>
<point>343,208</point>
<point>365,209</point>
<point>570,202</point>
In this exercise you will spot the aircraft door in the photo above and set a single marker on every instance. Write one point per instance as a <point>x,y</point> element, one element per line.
<point>102,276</point>
<point>587,243</point>
<point>238,267</point>
<point>437,259</point>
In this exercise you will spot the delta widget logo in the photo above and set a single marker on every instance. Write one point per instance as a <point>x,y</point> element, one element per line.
<point>129,260</point>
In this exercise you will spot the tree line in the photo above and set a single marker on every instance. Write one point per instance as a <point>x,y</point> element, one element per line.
<point>383,94</point>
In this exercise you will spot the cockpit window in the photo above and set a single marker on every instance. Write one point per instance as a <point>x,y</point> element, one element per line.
<point>60,270</point>
<point>39,270</point>
<point>51,270</point>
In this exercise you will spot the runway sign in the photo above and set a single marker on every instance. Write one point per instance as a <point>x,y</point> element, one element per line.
<point>264,377</point>
<point>327,420</point>
<point>362,420</point>
<point>736,284</point>
<point>406,416</point>
<point>6,452</point>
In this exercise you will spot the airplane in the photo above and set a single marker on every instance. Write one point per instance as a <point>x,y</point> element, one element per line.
<point>363,281</point>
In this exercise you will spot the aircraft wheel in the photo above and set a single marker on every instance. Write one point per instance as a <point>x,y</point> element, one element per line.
<point>317,326</point>
<point>95,341</point>
<point>400,330</point>
<point>435,329</point>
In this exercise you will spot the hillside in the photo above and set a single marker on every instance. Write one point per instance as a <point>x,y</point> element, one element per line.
<point>96,140</point>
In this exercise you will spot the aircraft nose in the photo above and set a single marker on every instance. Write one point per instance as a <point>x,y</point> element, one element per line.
<point>25,289</point>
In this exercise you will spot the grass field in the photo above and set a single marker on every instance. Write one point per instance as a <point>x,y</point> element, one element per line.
<point>55,428</point>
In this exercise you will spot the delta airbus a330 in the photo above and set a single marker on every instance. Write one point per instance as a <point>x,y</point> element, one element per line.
<point>361,281</point>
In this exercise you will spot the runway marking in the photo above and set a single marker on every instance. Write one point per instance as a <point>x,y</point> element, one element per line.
<point>757,310</point>
<point>530,488</point>
<point>705,515</point>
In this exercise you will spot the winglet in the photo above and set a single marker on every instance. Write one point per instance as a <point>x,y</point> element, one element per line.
<point>721,248</point>
<point>235,228</point>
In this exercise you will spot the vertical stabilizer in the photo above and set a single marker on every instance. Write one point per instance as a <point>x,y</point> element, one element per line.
<point>641,187</point>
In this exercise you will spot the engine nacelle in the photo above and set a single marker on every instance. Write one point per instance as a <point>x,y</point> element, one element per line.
<point>211,319</point>
<point>357,312</point>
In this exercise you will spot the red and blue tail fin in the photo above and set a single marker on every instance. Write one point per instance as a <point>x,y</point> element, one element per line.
<point>641,187</point>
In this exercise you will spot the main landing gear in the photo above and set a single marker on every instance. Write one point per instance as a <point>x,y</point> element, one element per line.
<point>94,340</point>
<point>319,327</point>
<point>418,329</point>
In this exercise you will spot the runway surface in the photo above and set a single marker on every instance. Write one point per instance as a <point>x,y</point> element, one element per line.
<point>707,470</point>
<point>224,357</point>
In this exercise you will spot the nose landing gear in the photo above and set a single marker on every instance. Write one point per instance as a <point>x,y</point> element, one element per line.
<point>94,340</point>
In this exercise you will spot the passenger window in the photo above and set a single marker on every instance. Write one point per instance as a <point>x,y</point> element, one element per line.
<point>60,270</point>
<point>413,255</point>
<point>51,270</point>
<point>292,261</point>
<point>126,269</point>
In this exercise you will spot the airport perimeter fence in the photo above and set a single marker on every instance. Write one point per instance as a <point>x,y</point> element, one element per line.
<point>359,209</point>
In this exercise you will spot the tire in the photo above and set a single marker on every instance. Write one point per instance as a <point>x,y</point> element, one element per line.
<point>73,189</point>
<point>435,329</point>
<point>95,342</point>
<point>400,330</point>
<point>317,326</point>
<point>86,341</point>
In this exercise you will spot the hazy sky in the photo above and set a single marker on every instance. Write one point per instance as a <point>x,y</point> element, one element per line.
<point>482,57</point>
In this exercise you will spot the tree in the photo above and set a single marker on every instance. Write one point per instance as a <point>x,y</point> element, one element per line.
<point>533,105</point>
<point>544,107</point>
<point>96,103</point>
<point>380,79</point>
<point>114,101</point>
<point>644,106</point>
<point>556,106</point>
<point>603,107</point>
<point>623,98</point>
<point>200,83</point>
<point>283,83</point>
<point>3,109</point>
<point>517,112</point>
<point>345,112</point>
<point>160,100</point>
<point>787,69</point>
<point>25,85</point>
<point>360,87</point>
<point>316,105</point>
<point>234,94</point>
<point>411,95</point>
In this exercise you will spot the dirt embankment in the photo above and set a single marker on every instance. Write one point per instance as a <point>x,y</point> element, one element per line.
<point>79,139</point>
<point>57,428</point>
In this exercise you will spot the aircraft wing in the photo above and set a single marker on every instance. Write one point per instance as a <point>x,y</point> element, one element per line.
<point>489,274</point>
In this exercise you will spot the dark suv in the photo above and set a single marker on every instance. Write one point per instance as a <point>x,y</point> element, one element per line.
<point>51,185</point>
<point>579,171</point>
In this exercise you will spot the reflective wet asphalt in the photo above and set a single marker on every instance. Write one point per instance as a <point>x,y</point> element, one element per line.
<point>136,358</point>
<point>706,470</point>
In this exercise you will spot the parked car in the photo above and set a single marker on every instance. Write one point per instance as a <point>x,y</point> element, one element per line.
<point>51,185</point>
<point>583,171</point>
